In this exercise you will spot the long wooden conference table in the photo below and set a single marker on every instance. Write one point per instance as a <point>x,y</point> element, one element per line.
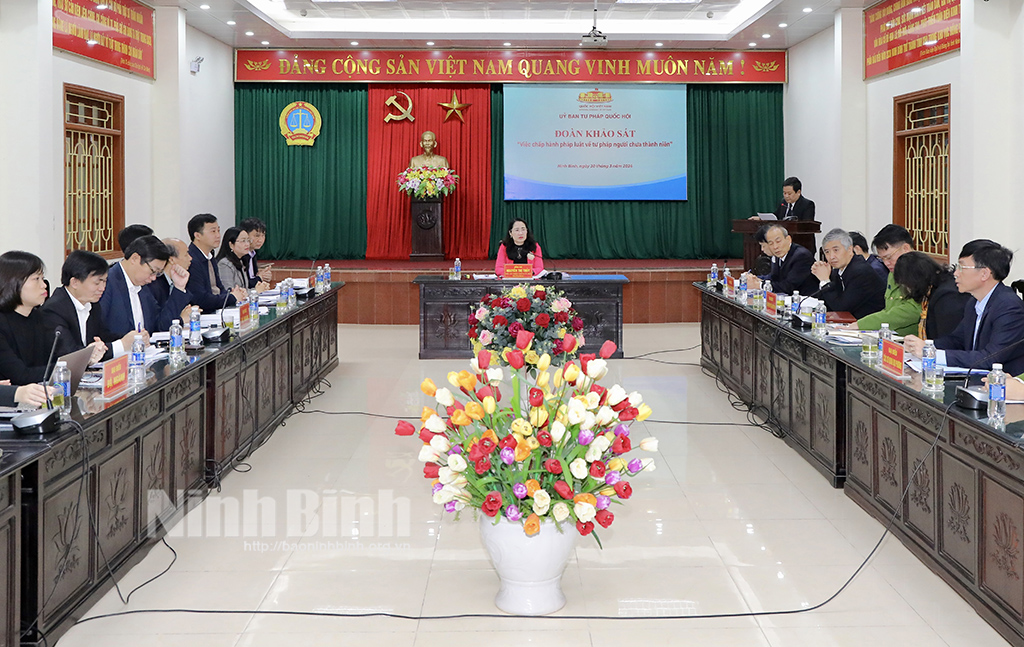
<point>72,503</point>
<point>867,432</point>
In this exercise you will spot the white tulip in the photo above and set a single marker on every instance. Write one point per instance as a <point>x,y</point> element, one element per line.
<point>635,399</point>
<point>495,375</point>
<point>579,468</point>
<point>593,400</point>
<point>541,502</point>
<point>616,394</point>
<point>444,397</point>
<point>441,444</point>
<point>435,424</point>
<point>584,511</point>
<point>446,494</point>
<point>589,420</point>
<point>648,465</point>
<point>560,511</point>
<point>605,415</point>
<point>557,431</point>
<point>597,368</point>
<point>446,475</point>
<point>602,443</point>
<point>457,463</point>
<point>428,454</point>
<point>593,452</point>
<point>649,444</point>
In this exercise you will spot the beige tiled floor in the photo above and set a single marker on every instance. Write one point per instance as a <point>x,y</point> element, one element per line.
<point>732,521</point>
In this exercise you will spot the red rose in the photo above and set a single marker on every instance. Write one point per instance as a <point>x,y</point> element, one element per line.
<point>597,469</point>
<point>514,328</point>
<point>491,504</point>
<point>515,359</point>
<point>482,467</point>
<point>487,444</point>
<point>544,438</point>
<point>500,320</point>
<point>608,349</point>
<point>557,350</point>
<point>430,470</point>
<point>584,360</point>
<point>604,518</point>
<point>523,305</point>
<point>473,333</point>
<point>543,320</point>
<point>486,301</point>
<point>564,490</point>
<point>621,444</point>
<point>553,466</point>
<point>561,317</point>
<point>509,442</point>
<point>577,324</point>
<point>585,528</point>
<point>473,321</point>
<point>623,489</point>
<point>536,398</point>
<point>404,428</point>
<point>540,294</point>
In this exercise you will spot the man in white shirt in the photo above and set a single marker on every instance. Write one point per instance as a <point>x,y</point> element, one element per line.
<point>126,306</point>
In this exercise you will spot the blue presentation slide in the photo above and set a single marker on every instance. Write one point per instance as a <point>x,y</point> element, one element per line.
<point>578,142</point>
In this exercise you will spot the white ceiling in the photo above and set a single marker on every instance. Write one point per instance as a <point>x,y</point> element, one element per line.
<point>481,24</point>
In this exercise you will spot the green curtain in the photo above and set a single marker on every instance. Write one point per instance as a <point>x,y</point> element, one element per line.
<point>734,168</point>
<point>313,198</point>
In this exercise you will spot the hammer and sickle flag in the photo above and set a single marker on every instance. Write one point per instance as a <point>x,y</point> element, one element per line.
<point>405,113</point>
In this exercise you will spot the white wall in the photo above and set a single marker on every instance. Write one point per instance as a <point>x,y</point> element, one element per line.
<point>811,122</point>
<point>208,137</point>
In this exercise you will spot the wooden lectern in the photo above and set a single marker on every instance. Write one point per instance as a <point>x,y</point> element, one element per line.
<point>427,238</point>
<point>802,232</point>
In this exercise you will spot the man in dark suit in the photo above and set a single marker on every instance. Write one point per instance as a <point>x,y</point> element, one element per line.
<point>846,281</point>
<point>861,248</point>
<point>75,311</point>
<point>204,284</point>
<point>257,231</point>
<point>163,286</point>
<point>126,306</point>
<point>993,323</point>
<point>791,264</point>
<point>794,205</point>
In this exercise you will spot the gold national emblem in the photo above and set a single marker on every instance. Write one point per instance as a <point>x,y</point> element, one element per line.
<point>257,66</point>
<point>766,67</point>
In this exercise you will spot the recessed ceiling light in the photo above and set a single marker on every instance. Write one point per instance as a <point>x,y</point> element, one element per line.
<point>264,42</point>
<point>752,44</point>
<point>658,44</point>
<point>249,33</point>
<point>204,6</point>
<point>231,22</point>
<point>808,10</point>
<point>507,44</point>
<point>355,42</point>
<point>783,25</point>
<point>430,43</point>
<point>766,35</point>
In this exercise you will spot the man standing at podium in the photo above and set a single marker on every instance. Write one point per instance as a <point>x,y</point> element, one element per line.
<point>428,142</point>
<point>794,205</point>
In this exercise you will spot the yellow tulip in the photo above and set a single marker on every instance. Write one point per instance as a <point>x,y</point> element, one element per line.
<point>488,433</point>
<point>428,387</point>
<point>460,418</point>
<point>466,380</point>
<point>426,413</point>
<point>571,372</point>
<point>644,412</point>
<point>616,464</point>
<point>608,491</point>
<point>532,443</point>
<point>521,427</point>
<point>544,362</point>
<point>557,380</point>
<point>538,416</point>
<point>475,410</point>
<point>453,379</point>
<point>543,378</point>
<point>531,356</point>
<point>489,404</point>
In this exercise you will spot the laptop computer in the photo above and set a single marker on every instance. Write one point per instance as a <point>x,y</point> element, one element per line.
<point>77,362</point>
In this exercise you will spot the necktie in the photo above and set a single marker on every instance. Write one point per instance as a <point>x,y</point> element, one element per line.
<point>213,277</point>
<point>789,211</point>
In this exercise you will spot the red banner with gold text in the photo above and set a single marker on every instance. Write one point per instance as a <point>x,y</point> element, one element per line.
<point>510,66</point>
<point>119,34</point>
<point>902,32</point>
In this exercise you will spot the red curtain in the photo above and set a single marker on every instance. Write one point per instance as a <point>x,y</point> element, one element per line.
<point>467,212</point>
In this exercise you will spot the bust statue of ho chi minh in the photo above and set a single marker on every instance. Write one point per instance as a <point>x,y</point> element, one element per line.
<point>428,142</point>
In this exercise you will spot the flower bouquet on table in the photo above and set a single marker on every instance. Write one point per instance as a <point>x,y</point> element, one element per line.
<point>556,450</point>
<point>427,182</point>
<point>542,312</point>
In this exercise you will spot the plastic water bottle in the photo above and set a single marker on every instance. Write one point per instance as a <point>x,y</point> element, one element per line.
<point>282,298</point>
<point>137,362</point>
<point>327,277</point>
<point>291,294</point>
<point>794,304</point>
<point>883,334</point>
<point>714,274</point>
<point>928,367</point>
<point>319,280</point>
<point>997,394</point>
<point>819,327</point>
<point>177,350</point>
<point>741,292</point>
<point>766,286</point>
<point>195,335</point>
<point>458,269</point>
<point>758,299</point>
<point>726,275</point>
<point>254,307</point>
<point>61,381</point>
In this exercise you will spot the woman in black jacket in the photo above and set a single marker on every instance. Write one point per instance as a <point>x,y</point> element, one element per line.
<point>24,344</point>
<point>925,280</point>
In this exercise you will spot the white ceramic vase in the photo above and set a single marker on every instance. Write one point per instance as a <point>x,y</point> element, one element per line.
<point>530,568</point>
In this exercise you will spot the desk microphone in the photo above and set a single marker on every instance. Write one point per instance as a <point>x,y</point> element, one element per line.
<point>968,399</point>
<point>43,420</point>
<point>49,367</point>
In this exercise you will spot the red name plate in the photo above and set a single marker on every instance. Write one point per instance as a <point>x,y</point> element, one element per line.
<point>115,376</point>
<point>902,32</point>
<point>514,271</point>
<point>243,314</point>
<point>509,66</point>
<point>730,285</point>
<point>771,303</point>
<point>892,357</point>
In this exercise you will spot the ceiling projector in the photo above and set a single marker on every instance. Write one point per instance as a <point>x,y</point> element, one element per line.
<point>594,39</point>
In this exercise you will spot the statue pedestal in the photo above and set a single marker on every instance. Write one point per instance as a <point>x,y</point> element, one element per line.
<point>426,220</point>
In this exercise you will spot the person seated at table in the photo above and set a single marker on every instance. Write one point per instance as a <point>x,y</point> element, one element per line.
<point>126,305</point>
<point>230,266</point>
<point>932,285</point>
<point>791,264</point>
<point>901,312</point>
<point>992,327</point>
<point>162,288</point>
<point>764,262</point>
<point>24,340</point>
<point>846,281</point>
<point>74,309</point>
<point>860,246</point>
<point>257,231</point>
<point>520,248</point>
<point>127,236</point>
<point>204,284</point>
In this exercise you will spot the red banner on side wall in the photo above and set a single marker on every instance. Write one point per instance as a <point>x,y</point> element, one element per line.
<point>902,32</point>
<point>510,66</point>
<point>120,34</point>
